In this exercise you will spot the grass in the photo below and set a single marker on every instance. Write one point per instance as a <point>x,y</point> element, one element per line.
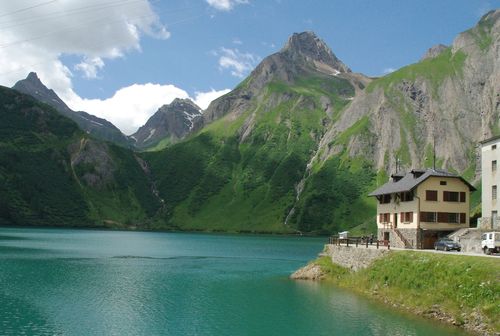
<point>419,281</point>
<point>359,127</point>
<point>434,69</point>
<point>224,183</point>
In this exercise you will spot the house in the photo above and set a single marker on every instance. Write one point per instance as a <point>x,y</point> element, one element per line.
<point>490,180</point>
<point>416,208</point>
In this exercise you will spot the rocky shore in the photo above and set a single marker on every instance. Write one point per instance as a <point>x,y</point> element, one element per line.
<point>311,271</point>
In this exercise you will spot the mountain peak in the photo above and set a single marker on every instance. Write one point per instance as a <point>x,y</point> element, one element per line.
<point>310,46</point>
<point>172,122</point>
<point>33,77</point>
<point>33,86</point>
<point>179,102</point>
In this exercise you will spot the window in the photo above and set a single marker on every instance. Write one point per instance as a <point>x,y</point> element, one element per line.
<point>431,195</point>
<point>452,217</point>
<point>384,217</point>
<point>443,217</point>
<point>385,199</point>
<point>493,147</point>
<point>406,196</point>
<point>494,214</point>
<point>428,217</point>
<point>406,217</point>
<point>451,196</point>
<point>494,192</point>
<point>443,183</point>
<point>494,166</point>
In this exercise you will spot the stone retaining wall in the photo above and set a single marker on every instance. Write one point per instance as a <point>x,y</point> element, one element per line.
<point>353,257</point>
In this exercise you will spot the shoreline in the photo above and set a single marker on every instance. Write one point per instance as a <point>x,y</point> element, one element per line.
<point>472,320</point>
<point>142,229</point>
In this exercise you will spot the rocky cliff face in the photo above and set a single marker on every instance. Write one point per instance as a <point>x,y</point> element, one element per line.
<point>98,127</point>
<point>170,123</point>
<point>451,99</point>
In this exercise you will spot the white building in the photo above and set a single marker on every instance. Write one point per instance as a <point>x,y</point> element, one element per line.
<point>490,179</point>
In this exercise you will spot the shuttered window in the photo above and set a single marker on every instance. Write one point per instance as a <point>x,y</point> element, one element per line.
<point>494,192</point>
<point>442,217</point>
<point>453,217</point>
<point>384,217</point>
<point>407,217</point>
<point>450,196</point>
<point>428,217</point>
<point>385,199</point>
<point>406,196</point>
<point>431,195</point>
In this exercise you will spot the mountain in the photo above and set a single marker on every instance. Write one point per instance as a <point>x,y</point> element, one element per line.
<point>169,124</point>
<point>304,55</point>
<point>299,143</point>
<point>53,174</point>
<point>242,170</point>
<point>99,128</point>
<point>296,146</point>
<point>450,101</point>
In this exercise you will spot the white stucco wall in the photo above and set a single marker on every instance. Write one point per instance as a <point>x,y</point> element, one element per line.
<point>489,178</point>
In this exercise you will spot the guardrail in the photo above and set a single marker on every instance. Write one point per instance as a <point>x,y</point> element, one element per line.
<point>359,242</point>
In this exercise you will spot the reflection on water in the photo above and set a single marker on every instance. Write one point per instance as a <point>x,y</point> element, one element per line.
<point>82,282</point>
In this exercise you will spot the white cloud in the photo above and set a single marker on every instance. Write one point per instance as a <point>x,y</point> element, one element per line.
<point>35,39</point>
<point>96,31</point>
<point>130,107</point>
<point>237,62</point>
<point>203,99</point>
<point>90,67</point>
<point>388,71</point>
<point>225,5</point>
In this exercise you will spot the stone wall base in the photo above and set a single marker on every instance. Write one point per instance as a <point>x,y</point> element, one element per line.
<point>352,257</point>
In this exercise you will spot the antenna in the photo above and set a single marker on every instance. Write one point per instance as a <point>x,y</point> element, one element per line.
<point>434,153</point>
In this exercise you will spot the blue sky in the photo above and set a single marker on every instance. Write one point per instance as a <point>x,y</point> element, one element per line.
<point>191,47</point>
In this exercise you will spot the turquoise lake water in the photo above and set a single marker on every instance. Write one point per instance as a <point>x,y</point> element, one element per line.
<point>84,282</point>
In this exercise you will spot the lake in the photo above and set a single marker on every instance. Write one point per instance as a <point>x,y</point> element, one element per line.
<point>89,282</point>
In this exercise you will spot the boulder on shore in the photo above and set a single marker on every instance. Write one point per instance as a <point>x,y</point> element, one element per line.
<point>311,271</point>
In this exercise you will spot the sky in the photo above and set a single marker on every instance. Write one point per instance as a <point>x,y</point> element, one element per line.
<point>123,59</point>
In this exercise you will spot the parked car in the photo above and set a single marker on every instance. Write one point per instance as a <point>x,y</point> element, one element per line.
<point>446,244</point>
<point>490,242</point>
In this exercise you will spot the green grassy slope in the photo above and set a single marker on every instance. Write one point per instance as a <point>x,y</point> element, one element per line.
<point>219,181</point>
<point>433,69</point>
<point>39,185</point>
<point>35,185</point>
